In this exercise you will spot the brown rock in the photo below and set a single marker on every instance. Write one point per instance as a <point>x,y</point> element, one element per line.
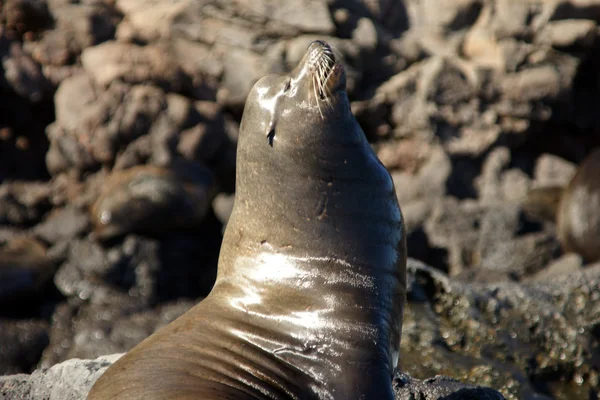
<point>132,64</point>
<point>306,16</point>
<point>572,33</point>
<point>539,83</point>
<point>236,81</point>
<point>202,141</point>
<point>87,23</point>
<point>153,19</point>
<point>551,170</point>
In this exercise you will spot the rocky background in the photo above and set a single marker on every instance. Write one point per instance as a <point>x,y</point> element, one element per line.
<point>118,128</point>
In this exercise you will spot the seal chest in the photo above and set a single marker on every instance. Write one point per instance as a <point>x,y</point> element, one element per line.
<point>310,289</point>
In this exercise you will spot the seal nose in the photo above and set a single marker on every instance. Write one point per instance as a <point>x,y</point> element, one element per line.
<point>321,47</point>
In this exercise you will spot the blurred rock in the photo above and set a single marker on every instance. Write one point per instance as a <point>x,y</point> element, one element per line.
<point>22,345</point>
<point>24,16</point>
<point>572,32</point>
<point>93,126</point>
<point>551,170</point>
<point>566,265</point>
<point>132,64</point>
<point>21,73</point>
<point>98,330</point>
<point>63,224</point>
<point>25,270</point>
<point>23,203</point>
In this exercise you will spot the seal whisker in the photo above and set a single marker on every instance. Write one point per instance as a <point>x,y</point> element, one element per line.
<point>315,80</point>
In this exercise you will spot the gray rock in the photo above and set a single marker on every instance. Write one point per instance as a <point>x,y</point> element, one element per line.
<point>63,224</point>
<point>70,380</point>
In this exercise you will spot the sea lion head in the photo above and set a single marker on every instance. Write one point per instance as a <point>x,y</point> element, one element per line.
<point>302,158</point>
<point>304,102</point>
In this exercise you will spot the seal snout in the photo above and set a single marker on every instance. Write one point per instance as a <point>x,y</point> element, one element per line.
<point>321,62</point>
<point>326,74</point>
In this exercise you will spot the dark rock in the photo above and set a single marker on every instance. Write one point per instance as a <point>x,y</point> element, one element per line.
<point>21,73</point>
<point>96,330</point>
<point>440,387</point>
<point>23,203</point>
<point>22,345</point>
<point>94,273</point>
<point>24,101</point>
<point>25,270</point>
<point>525,333</point>
<point>25,16</point>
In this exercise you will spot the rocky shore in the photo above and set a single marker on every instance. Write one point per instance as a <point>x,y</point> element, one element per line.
<point>118,129</point>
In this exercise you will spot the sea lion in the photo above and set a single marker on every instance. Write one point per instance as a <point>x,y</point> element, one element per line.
<point>152,200</point>
<point>574,208</point>
<point>311,282</point>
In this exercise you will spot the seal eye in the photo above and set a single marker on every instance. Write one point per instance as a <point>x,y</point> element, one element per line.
<point>270,137</point>
<point>288,85</point>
